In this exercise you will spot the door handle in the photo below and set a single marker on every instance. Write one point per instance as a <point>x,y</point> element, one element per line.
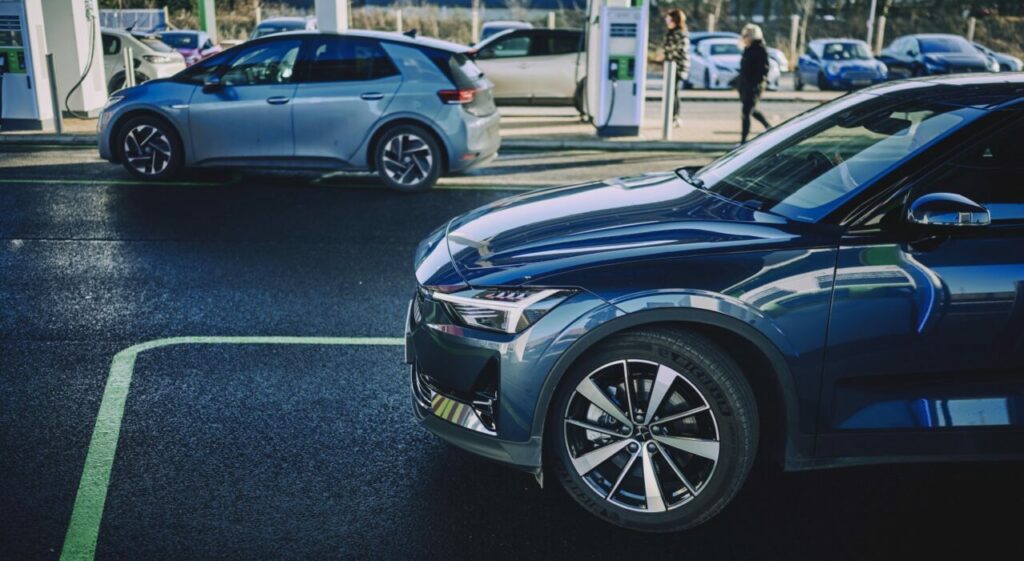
<point>277,100</point>
<point>371,96</point>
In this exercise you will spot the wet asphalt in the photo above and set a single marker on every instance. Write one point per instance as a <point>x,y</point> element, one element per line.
<point>310,452</point>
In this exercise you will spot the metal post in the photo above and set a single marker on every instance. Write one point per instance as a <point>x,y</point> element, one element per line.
<point>669,99</point>
<point>711,21</point>
<point>258,9</point>
<point>971,22</point>
<point>129,67</point>
<point>794,33</point>
<point>880,34</point>
<point>208,17</point>
<point>551,20</point>
<point>871,22</point>
<point>475,28</point>
<point>398,20</point>
<point>167,18</point>
<point>58,117</point>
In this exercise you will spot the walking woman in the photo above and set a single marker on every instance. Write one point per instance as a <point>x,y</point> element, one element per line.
<point>753,76</point>
<point>677,49</point>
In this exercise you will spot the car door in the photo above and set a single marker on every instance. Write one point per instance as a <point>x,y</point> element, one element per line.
<point>551,64</point>
<point>345,86</point>
<point>505,62</point>
<point>926,337</point>
<point>248,115</point>
<point>808,66</point>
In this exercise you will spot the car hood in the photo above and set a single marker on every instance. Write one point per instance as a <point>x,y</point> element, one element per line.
<point>730,61</point>
<point>525,238</point>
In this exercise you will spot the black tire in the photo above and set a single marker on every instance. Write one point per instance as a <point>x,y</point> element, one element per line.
<point>798,84</point>
<point>707,79</point>
<point>163,147</point>
<point>416,153</point>
<point>822,83</point>
<point>730,406</point>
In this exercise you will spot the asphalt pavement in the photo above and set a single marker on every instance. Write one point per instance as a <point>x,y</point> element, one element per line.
<point>234,443</point>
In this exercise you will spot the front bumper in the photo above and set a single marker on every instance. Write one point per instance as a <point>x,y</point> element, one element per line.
<point>480,390</point>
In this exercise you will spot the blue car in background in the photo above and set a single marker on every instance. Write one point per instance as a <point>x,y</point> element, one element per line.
<point>847,288</point>
<point>838,64</point>
<point>934,53</point>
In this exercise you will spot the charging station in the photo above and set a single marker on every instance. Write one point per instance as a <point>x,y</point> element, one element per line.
<point>31,29</point>
<point>617,32</point>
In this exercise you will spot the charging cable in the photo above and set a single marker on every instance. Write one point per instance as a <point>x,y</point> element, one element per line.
<point>90,16</point>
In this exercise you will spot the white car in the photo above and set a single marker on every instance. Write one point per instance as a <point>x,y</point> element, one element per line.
<point>715,64</point>
<point>151,56</point>
<point>534,66</point>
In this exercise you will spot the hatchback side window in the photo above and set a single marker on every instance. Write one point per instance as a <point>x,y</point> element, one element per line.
<point>341,59</point>
<point>560,43</point>
<point>511,46</point>
<point>264,64</point>
<point>111,44</point>
<point>987,173</point>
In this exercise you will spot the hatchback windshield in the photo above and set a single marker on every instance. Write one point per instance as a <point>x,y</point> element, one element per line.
<point>944,45</point>
<point>845,51</point>
<point>814,163</point>
<point>725,49</point>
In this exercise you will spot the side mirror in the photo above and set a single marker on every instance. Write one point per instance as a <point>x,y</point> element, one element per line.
<point>485,54</point>
<point>947,210</point>
<point>212,83</point>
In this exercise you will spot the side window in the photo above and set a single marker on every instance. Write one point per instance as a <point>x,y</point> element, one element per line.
<point>198,72</point>
<point>512,46</point>
<point>265,63</point>
<point>207,45</point>
<point>565,43</point>
<point>341,59</point>
<point>988,172</point>
<point>111,44</point>
<point>912,47</point>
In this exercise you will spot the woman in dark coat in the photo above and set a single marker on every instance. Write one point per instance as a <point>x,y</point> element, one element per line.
<point>753,76</point>
<point>677,49</point>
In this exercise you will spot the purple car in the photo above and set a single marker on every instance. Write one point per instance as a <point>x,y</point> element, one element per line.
<point>193,45</point>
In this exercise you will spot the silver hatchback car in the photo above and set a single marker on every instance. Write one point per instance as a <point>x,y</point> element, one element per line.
<point>407,108</point>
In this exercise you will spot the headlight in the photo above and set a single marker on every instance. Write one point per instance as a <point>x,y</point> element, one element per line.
<point>833,68</point>
<point>158,59</point>
<point>509,310</point>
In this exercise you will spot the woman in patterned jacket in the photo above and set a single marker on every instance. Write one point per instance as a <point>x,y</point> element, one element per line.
<point>677,49</point>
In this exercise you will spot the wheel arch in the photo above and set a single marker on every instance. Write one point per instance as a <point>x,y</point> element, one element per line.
<point>384,127</point>
<point>119,122</point>
<point>763,365</point>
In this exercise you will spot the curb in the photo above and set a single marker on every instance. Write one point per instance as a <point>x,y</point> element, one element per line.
<point>47,140</point>
<point>521,144</point>
<point>615,145</point>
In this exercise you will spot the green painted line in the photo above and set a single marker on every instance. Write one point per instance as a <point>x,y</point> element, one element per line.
<point>84,528</point>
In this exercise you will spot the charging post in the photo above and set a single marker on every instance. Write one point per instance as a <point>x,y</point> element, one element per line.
<point>617,32</point>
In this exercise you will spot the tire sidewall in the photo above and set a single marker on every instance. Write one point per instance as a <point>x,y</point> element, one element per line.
<point>735,419</point>
<point>435,149</point>
<point>177,147</point>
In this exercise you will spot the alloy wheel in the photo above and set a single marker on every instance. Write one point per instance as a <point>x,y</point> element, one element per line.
<point>641,435</point>
<point>147,149</point>
<point>408,159</point>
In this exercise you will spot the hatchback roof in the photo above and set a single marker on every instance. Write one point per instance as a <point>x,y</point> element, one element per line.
<point>382,35</point>
<point>984,91</point>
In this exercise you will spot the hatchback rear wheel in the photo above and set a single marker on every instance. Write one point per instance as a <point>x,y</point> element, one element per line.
<point>654,431</point>
<point>408,159</point>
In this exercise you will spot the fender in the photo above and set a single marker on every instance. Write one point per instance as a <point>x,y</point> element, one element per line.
<point>362,154</point>
<point>796,447</point>
<point>173,116</point>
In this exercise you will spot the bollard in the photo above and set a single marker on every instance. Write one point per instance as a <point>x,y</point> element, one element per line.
<point>475,21</point>
<point>129,68</point>
<point>669,99</point>
<point>398,20</point>
<point>711,21</point>
<point>794,33</point>
<point>971,22</point>
<point>58,116</point>
<point>879,34</point>
<point>551,20</point>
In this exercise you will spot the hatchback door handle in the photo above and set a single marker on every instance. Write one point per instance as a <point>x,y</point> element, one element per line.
<point>277,100</point>
<point>370,96</point>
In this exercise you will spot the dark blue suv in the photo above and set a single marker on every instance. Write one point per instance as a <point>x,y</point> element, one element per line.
<point>848,288</point>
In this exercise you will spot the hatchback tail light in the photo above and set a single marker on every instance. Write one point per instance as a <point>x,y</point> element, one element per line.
<point>460,96</point>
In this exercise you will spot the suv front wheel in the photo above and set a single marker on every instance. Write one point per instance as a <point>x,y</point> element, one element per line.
<point>408,159</point>
<point>655,430</point>
<point>150,148</point>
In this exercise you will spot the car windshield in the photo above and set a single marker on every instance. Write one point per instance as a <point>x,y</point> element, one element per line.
<point>264,29</point>
<point>180,40</point>
<point>944,45</point>
<point>814,163</point>
<point>725,49</point>
<point>845,51</point>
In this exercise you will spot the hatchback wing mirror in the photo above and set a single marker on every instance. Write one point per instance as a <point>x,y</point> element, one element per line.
<point>947,210</point>
<point>212,83</point>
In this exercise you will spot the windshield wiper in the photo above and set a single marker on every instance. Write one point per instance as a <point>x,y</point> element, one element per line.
<point>688,177</point>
